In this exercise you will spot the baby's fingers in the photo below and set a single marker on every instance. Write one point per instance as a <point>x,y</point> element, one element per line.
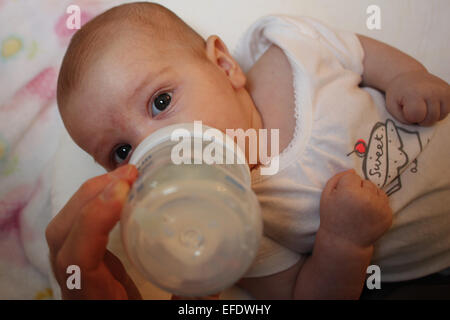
<point>433,112</point>
<point>85,245</point>
<point>444,108</point>
<point>415,109</point>
<point>369,185</point>
<point>351,180</point>
<point>395,107</point>
<point>332,184</point>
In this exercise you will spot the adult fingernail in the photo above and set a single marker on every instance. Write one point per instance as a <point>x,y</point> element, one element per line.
<point>131,169</point>
<point>114,190</point>
<point>122,172</point>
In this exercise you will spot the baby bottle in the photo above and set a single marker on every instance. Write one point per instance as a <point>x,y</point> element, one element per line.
<point>191,224</point>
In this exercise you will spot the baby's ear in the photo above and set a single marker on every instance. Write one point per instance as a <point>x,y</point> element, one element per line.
<point>217,53</point>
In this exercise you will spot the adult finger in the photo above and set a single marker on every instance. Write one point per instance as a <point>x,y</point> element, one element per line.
<point>119,273</point>
<point>59,227</point>
<point>86,243</point>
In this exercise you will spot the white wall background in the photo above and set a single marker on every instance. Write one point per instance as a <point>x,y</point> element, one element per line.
<point>417,27</point>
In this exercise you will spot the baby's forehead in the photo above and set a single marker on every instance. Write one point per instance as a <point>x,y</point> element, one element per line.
<point>123,52</point>
<point>121,69</point>
<point>129,38</point>
<point>134,46</point>
<point>121,44</point>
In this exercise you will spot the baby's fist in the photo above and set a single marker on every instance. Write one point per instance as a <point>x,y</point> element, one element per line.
<point>354,210</point>
<point>418,97</point>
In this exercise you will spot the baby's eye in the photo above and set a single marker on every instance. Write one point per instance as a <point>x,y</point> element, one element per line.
<point>121,153</point>
<point>160,103</point>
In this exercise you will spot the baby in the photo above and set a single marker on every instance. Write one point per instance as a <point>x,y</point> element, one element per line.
<point>138,67</point>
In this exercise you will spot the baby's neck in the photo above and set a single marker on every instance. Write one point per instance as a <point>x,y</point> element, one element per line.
<point>270,86</point>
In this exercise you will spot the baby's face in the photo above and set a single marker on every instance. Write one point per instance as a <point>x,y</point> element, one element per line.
<point>133,89</point>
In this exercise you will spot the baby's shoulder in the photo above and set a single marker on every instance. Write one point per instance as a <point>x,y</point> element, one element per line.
<point>271,69</point>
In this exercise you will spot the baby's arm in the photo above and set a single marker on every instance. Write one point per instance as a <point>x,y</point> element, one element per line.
<point>354,213</point>
<point>412,94</point>
<point>335,270</point>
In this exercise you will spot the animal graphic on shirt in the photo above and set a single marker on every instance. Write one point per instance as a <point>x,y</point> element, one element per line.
<point>389,152</point>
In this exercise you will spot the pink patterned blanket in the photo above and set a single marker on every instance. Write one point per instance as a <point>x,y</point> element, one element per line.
<point>33,39</point>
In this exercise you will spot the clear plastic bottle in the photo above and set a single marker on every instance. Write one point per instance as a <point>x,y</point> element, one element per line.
<point>191,229</point>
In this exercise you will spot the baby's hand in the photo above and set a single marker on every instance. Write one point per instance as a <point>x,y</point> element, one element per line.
<point>418,97</point>
<point>354,210</point>
<point>78,235</point>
